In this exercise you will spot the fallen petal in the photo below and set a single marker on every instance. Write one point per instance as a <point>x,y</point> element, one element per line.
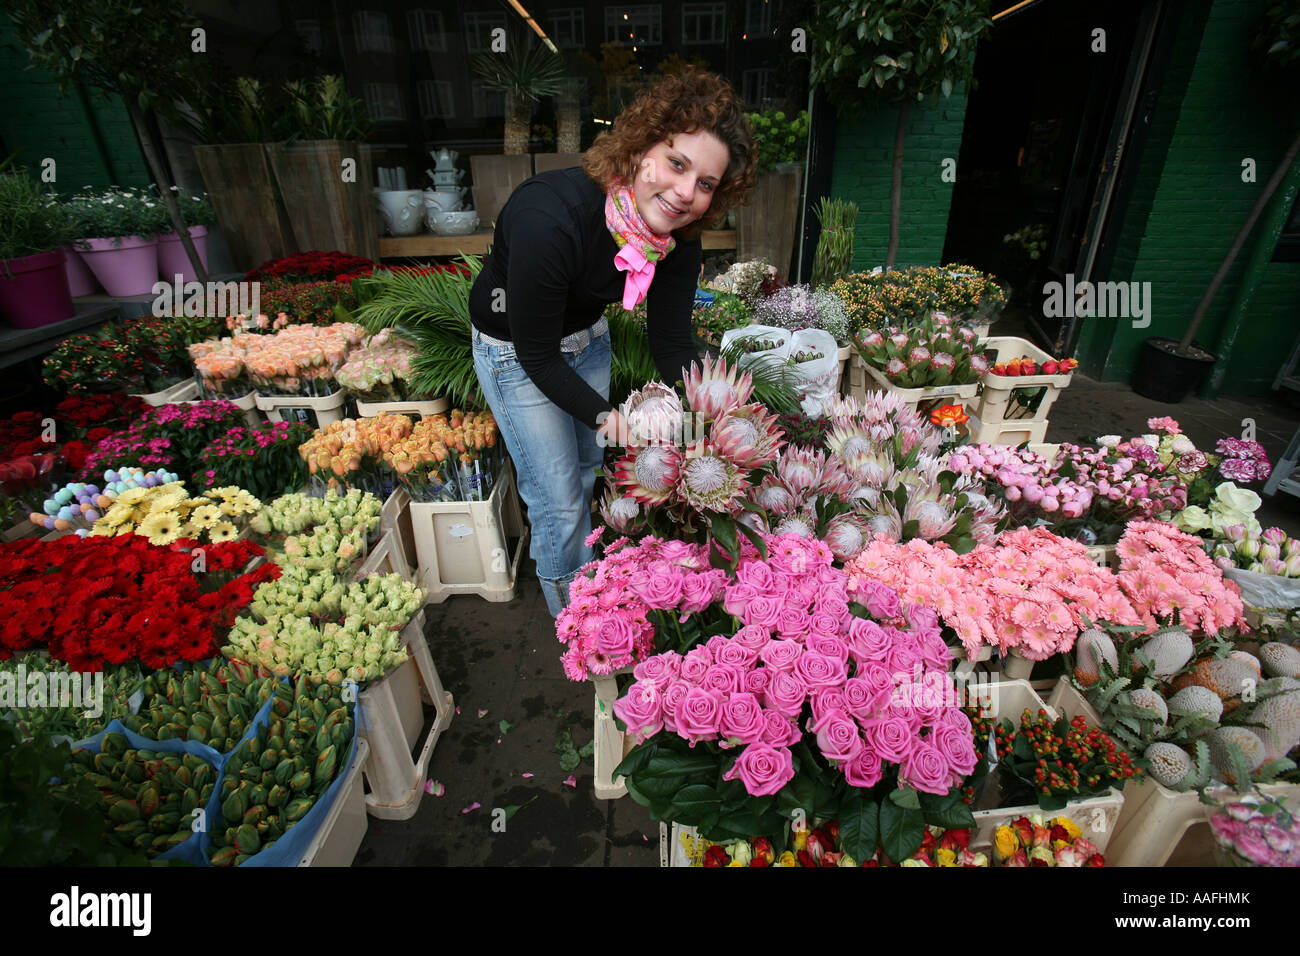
<point>473,806</point>
<point>526,776</point>
<point>570,781</point>
<point>482,714</point>
<point>433,788</point>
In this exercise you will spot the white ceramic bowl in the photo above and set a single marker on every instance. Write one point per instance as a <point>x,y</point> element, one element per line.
<point>453,223</point>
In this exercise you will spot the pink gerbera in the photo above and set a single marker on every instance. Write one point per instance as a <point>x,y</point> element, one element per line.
<point>1026,614</point>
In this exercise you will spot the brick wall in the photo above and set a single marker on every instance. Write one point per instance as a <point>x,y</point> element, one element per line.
<point>864,157</point>
<point>1214,111</point>
<point>39,121</point>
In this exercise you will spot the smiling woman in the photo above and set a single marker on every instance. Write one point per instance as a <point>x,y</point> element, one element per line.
<point>569,242</point>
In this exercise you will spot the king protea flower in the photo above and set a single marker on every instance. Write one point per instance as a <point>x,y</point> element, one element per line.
<point>772,495</point>
<point>795,524</point>
<point>900,340</point>
<point>872,467</point>
<point>846,535</point>
<point>979,364</point>
<point>918,354</point>
<point>848,437</point>
<point>709,481</point>
<point>649,474</point>
<point>886,521</point>
<point>943,360</point>
<point>895,367</point>
<point>872,339</point>
<point>800,469</point>
<point>654,414</point>
<point>716,389</point>
<point>933,518</point>
<point>620,513</point>
<point>748,435</point>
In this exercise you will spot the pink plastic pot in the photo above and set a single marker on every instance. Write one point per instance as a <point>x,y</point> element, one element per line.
<point>81,281</point>
<point>34,290</point>
<point>128,268</point>
<point>173,261</point>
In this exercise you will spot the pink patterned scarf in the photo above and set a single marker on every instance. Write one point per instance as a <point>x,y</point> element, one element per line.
<point>639,247</point>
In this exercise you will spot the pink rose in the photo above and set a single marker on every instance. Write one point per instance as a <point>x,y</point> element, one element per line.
<point>727,678</point>
<point>736,597</point>
<point>868,639</point>
<point>903,657</point>
<point>905,712</point>
<point>926,769</point>
<point>781,655</point>
<point>879,682</point>
<point>934,652</point>
<point>779,730</point>
<point>742,720</point>
<point>864,768</point>
<point>795,600</point>
<point>892,738</point>
<point>672,697</point>
<point>755,638</point>
<point>785,693</point>
<point>698,714</point>
<point>762,611</point>
<point>662,668</point>
<point>757,681</point>
<point>661,589</point>
<point>641,709</point>
<point>763,769</point>
<point>792,623</point>
<point>614,637</point>
<point>734,653</point>
<point>758,575</point>
<point>957,748</point>
<point>818,670</point>
<point>837,736</point>
<point>694,665</point>
<point>826,699</point>
<point>830,646</point>
<point>697,593</point>
<point>859,698</point>
<point>824,625</point>
<point>880,599</point>
<point>836,606</point>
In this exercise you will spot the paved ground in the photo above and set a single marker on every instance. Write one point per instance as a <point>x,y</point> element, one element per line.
<point>503,659</point>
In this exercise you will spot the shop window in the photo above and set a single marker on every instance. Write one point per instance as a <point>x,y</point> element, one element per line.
<point>758,18</point>
<point>568,29</point>
<point>427,31</point>
<point>634,26</point>
<point>436,99</point>
<point>478,30</point>
<point>704,23</point>
<point>488,103</point>
<point>384,102</point>
<point>372,31</point>
<point>756,88</point>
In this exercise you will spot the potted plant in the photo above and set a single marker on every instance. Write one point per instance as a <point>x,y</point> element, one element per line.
<point>325,209</point>
<point>33,283</point>
<point>117,231</point>
<point>198,215</point>
<point>766,225</point>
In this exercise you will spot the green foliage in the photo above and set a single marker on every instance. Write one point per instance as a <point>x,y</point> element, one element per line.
<point>775,384</point>
<point>906,49</point>
<point>834,258</point>
<point>117,211</point>
<point>1278,39</point>
<point>31,222</point>
<point>526,69</point>
<point>323,110</point>
<point>632,363</point>
<point>778,138</point>
<point>724,313</point>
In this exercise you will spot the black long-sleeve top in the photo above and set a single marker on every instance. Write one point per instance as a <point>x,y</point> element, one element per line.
<point>554,257</point>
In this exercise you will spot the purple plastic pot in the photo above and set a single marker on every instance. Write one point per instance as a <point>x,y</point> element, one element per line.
<point>129,267</point>
<point>34,290</point>
<point>173,261</point>
<point>81,281</point>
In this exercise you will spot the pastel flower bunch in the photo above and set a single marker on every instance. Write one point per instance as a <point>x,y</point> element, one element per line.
<point>1243,460</point>
<point>1228,508</point>
<point>168,436</point>
<point>166,513</point>
<point>257,323</point>
<point>1251,837</point>
<point>1270,551</point>
<point>353,452</point>
<point>380,370</point>
<point>873,698</point>
<point>318,534</point>
<point>300,359</point>
<point>746,280</point>
<point>314,623</point>
<point>1028,592</point>
<point>219,364</point>
<point>799,307</point>
<point>1034,841</point>
<point>615,602</point>
<point>1163,571</point>
<point>1026,481</point>
<point>933,352</point>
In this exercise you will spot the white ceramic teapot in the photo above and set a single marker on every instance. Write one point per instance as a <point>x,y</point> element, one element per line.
<point>402,210</point>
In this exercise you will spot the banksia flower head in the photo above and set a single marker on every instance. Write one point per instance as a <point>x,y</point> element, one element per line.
<point>707,480</point>
<point>715,389</point>
<point>649,474</point>
<point>654,414</point>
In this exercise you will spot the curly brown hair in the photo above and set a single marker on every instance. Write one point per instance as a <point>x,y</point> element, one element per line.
<point>686,101</point>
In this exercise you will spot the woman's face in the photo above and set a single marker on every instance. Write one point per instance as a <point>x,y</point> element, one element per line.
<point>676,180</point>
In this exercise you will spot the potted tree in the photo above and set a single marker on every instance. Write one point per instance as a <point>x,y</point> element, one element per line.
<point>33,283</point>
<point>766,225</point>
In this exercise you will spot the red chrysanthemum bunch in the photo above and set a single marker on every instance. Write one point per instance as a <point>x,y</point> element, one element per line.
<point>307,266</point>
<point>98,601</point>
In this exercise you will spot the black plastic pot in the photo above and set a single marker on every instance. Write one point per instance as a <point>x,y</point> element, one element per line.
<point>1164,376</point>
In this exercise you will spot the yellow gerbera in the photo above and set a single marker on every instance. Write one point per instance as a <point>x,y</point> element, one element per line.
<point>115,517</point>
<point>225,494</point>
<point>162,528</point>
<point>132,495</point>
<point>164,503</point>
<point>206,516</point>
<point>222,531</point>
<point>231,508</point>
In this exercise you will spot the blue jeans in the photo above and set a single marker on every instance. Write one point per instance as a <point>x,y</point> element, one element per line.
<point>555,455</point>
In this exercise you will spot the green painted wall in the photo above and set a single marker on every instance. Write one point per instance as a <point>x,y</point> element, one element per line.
<point>1215,110</point>
<point>38,121</point>
<point>864,159</point>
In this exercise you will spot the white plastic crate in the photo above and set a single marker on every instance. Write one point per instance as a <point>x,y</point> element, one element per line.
<point>611,744</point>
<point>385,558</point>
<point>1015,667</point>
<point>1104,556</point>
<point>1048,450</point>
<point>392,718</point>
<point>345,825</point>
<point>173,394</point>
<point>1096,816</point>
<point>843,355</point>
<point>995,404</point>
<point>864,378</point>
<point>375,409</point>
<point>1014,432</point>
<point>328,409</point>
<point>1067,699</point>
<point>395,516</point>
<point>672,850</point>
<point>463,547</point>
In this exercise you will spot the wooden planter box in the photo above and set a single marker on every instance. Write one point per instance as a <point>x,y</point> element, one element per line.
<point>495,178</point>
<point>247,202</point>
<point>325,211</point>
<point>767,226</point>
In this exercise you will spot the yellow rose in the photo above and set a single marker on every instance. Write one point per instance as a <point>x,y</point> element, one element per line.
<point>945,858</point>
<point>787,859</point>
<point>1070,826</point>
<point>800,840</point>
<point>1006,842</point>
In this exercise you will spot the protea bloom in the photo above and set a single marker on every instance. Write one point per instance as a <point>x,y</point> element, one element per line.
<point>649,474</point>
<point>943,360</point>
<point>716,389</point>
<point>900,340</point>
<point>848,437</point>
<point>619,513</point>
<point>918,355</point>
<point>795,524</point>
<point>874,468</point>
<point>709,481</point>
<point>872,340</point>
<point>800,469</point>
<point>846,535</point>
<point>934,519</point>
<point>979,364</point>
<point>774,496</point>
<point>895,367</point>
<point>654,414</point>
<point>748,435</point>
<point>886,521</point>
